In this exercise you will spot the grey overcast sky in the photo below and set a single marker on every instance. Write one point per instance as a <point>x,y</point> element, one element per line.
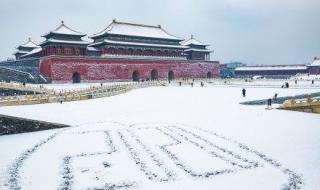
<point>251,31</point>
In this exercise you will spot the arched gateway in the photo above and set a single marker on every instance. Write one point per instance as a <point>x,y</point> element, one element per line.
<point>171,75</point>
<point>154,75</point>
<point>209,75</point>
<point>135,76</point>
<point>76,77</point>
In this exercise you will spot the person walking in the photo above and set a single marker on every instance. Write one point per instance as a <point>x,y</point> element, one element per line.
<point>275,97</point>
<point>269,104</point>
<point>244,92</point>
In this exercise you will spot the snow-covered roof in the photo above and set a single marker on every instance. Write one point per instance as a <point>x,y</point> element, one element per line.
<point>20,52</point>
<point>66,42</point>
<point>193,41</point>
<point>34,51</point>
<point>29,44</point>
<point>138,30</point>
<point>63,29</point>
<point>92,49</point>
<point>198,50</point>
<point>144,57</point>
<point>141,44</point>
<point>315,63</point>
<point>274,68</point>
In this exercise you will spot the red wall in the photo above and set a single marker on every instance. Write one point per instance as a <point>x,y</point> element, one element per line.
<point>61,69</point>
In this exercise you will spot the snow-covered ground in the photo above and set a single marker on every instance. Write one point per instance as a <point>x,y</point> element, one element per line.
<point>166,138</point>
<point>301,83</point>
<point>306,77</point>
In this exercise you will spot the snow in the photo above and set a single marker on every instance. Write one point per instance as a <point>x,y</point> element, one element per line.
<point>144,44</point>
<point>315,63</point>
<point>92,49</point>
<point>142,57</point>
<point>263,68</point>
<point>63,29</point>
<point>198,50</point>
<point>166,138</point>
<point>306,77</point>
<point>66,41</point>
<point>29,44</point>
<point>193,41</point>
<point>36,50</point>
<point>21,52</point>
<point>129,29</point>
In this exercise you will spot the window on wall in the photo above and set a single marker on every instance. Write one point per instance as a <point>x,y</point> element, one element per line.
<point>77,51</point>
<point>59,51</point>
<point>68,51</point>
<point>130,51</point>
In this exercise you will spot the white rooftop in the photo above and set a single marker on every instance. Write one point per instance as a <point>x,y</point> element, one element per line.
<point>141,44</point>
<point>139,30</point>
<point>63,29</point>
<point>198,50</point>
<point>82,42</point>
<point>34,51</point>
<point>278,68</point>
<point>29,44</point>
<point>316,62</point>
<point>193,41</point>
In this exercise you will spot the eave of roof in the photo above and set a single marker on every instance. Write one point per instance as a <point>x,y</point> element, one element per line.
<point>158,31</point>
<point>315,63</point>
<point>35,51</point>
<point>62,29</point>
<point>65,42</point>
<point>198,50</point>
<point>28,44</point>
<point>139,44</point>
<point>193,41</point>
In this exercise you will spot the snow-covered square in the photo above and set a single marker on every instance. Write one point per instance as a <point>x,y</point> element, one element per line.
<point>168,137</point>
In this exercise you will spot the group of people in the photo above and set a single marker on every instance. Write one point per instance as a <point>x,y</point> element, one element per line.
<point>286,85</point>
<point>269,101</point>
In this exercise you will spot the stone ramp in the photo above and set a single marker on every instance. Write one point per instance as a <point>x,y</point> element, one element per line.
<point>26,70</point>
<point>14,125</point>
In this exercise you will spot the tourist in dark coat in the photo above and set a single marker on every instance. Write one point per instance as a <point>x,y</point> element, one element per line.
<point>269,103</point>
<point>244,92</point>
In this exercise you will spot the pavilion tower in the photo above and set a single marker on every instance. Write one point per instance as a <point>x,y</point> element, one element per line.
<point>122,39</point>
<point>64,41</point>
<point>25,48</point>
<point>196,50</point>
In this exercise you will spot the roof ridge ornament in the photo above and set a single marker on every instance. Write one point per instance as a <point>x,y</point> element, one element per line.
<point>62,22</point>
<point>192,36</point>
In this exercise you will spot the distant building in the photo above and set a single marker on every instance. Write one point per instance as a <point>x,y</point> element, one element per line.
<point>196,50</point>
<point>271,71</point>
<point>25,49</point>
<point>314,67</point>
<point>120,52</point>
<point>227,70</point>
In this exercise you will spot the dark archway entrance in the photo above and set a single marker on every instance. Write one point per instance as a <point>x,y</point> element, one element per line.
<point>171,75</point>
<point>209,75</point>
<point>135,76</point>
<point>154,75</point>
<point>76,77</point>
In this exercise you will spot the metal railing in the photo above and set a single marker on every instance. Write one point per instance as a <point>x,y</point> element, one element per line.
<point>51,96</point>
<point>305,105</point>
